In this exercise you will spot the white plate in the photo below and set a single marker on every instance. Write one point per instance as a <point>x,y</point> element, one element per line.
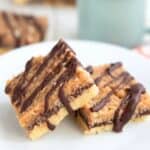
<point>67,136</point>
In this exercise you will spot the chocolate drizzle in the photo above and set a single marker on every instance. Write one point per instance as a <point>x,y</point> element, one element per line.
<point>127,107</point>
<point>98,106</point>
<point>124,78</point>
<point>18,91</point>
<point>40,119</point>
<point>11,28</point>
<point>71,71</point>
<point>50,126</point>
<point>79,90</point>
<point>108,71</point>
<point>64,100</point>
<point>113,67</point>
<point>63,78</point>
<point>89,69</point>
<point>39,28</point>
<point>89,125</point>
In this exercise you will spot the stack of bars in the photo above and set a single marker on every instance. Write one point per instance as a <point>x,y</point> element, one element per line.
<point>51,87</point>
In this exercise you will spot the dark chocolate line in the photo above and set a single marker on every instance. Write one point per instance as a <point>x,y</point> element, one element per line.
<point>45,82</point>
<point>124,78</point>
<point>98,106</point>
<point>80,90</point>
<point>115,79</point>
<point>65,101</point>
<point>2,37</point>
<point>50,126</point>
<point>18,38</point>
<point>35,24</point>
<point>41,119</point>
<point>71,69</point>
<point>85,119</point>
<point>11,28</point>
<point>128,106</point>
<point>18,91</point>
<point>49,112</point>
<point>145,113</point>
<point>89,69</point>
<point>108,71</point>
<point>113,67</point>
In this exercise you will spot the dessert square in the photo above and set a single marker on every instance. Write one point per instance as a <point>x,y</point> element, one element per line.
<point>121,99</point>
<point>18,30</point>
<point>49,89</point>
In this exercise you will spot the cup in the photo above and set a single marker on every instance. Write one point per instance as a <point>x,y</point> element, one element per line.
<point>120,22</point>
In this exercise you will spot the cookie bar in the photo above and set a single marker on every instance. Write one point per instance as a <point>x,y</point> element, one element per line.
<point>49,89</point>
<point>121,99</point>
<point>18,30</point>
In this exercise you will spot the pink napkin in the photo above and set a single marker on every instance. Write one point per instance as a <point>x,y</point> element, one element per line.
<point>144,51</point>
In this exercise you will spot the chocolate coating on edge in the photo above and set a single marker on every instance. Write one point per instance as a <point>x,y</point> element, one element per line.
<point>128,106</point>
<point>89,69</point>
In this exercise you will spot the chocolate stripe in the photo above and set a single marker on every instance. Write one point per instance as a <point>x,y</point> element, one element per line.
<point>71,69</point>
<point>36,25</point>
<point>123,75</point>
<point>80,90</point>
<point>18,90</point>
<point>125,78</point>
<point>65,101</point>
<point>11,28</point>
<point>102,103</point>
<point>108,71</point>
<point>50,126</point>
<point>113,67</point>
<point>89,69</point>
<point>127,107</point>
<point>41,119</point>
<point>89,125</point>
<point>45,82</point>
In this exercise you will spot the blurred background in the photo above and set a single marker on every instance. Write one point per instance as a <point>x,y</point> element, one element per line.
<point>125,23</point>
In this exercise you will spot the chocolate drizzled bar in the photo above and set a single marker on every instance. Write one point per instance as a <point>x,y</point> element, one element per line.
<point>17,30</point>
<point>49,89</point>
<point>120,100</point>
